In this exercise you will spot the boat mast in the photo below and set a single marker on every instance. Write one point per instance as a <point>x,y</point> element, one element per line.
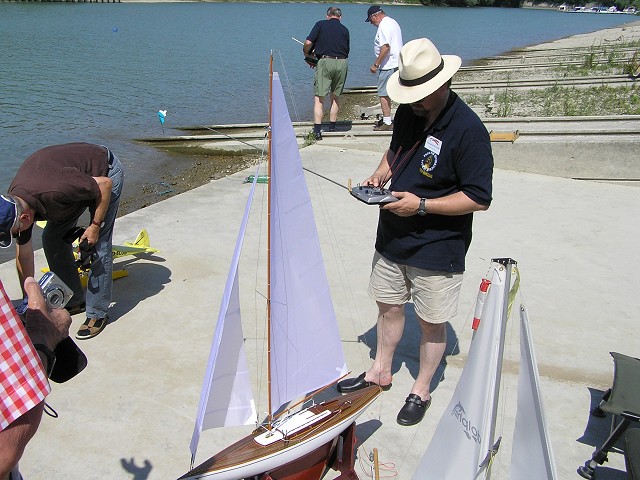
<point>508,264</point>
<point>269,177</point>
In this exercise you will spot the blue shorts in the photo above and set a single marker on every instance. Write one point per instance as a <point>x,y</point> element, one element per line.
<point>383,78</point>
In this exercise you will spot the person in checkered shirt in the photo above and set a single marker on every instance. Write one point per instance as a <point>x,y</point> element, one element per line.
<point>23,367</point>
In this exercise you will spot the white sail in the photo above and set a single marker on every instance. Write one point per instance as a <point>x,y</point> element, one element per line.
<point>531,454</point>
<point>226,398</point>
<point>462,437</point>
<point>306,352</point>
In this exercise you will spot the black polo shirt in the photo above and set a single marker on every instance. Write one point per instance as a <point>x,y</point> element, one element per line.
<point>330,38</point>
<point>454,155</point>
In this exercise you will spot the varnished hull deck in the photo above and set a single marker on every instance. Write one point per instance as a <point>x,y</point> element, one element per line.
<point>247,458</point>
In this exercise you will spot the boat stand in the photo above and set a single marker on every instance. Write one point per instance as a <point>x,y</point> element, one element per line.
<point>338,454</point>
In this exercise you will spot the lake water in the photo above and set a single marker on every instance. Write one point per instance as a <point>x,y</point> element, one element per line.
<point>100,72</point>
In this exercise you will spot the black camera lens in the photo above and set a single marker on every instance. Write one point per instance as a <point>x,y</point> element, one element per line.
<point>55,298</point>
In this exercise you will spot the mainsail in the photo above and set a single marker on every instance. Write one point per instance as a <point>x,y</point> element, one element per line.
<point>306,352</point>
<point>463,445</point>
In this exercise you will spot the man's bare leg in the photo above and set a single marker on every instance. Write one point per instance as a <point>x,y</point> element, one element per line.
<point>432,347</point>
<point>335,107</point>
<point>390,327</point>
<point>317,110</point>
<point>385,104</point>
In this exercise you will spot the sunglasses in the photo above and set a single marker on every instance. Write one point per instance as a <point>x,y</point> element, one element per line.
<point>6,238</point>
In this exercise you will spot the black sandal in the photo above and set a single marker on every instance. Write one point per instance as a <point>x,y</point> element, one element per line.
<point>413,410</point>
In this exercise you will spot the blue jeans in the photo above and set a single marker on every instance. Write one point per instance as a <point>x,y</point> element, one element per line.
<point>61,261</point>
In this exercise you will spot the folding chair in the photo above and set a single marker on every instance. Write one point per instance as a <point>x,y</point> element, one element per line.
<point>632,453</point>
<point>621,400</point>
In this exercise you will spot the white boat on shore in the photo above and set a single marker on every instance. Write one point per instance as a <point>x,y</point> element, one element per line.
<point>596,9</point>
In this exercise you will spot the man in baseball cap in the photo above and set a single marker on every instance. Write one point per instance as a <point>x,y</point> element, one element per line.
<point>8,217</point>
<point>386,47</point>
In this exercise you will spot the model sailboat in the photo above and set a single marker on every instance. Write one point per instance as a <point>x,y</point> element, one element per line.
<point>305,348</point>
<point>463,445</point>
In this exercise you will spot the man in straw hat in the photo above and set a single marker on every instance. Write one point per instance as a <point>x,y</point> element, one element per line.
<point>441,167</point>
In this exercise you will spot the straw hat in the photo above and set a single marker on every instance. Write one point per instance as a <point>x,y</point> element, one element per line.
<point>422,70</point>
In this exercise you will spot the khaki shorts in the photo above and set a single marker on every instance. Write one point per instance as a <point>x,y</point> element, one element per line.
<point>434,294</point>
<point>330,77</point>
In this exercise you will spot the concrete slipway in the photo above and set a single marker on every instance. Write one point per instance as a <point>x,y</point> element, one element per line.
<point>130,414</point>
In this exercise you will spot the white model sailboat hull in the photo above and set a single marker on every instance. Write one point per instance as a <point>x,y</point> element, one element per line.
<point>247,458</point>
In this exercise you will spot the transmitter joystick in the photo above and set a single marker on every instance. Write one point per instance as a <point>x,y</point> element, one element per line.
<point>372,195</point>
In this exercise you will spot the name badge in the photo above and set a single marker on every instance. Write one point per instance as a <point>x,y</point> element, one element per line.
<point>433,144</point>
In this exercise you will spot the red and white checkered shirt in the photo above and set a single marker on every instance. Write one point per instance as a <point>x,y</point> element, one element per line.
<point>23,382</point>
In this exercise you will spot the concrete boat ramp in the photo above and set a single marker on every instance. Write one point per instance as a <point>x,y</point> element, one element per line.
<point>130,414</point>
<point>595,147</point>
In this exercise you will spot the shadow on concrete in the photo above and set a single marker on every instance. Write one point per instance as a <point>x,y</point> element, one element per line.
<point>595,433</point>
<point>144,280</point>
<point>139,473</point>
<point>366,429</point>
<point>407,352</point>
<point>598,428</point>
<point>606,473</point>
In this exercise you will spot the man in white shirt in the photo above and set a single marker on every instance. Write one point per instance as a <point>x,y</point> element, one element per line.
<point>386,47</point>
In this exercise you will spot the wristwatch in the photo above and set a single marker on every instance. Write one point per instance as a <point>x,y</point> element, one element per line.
<point>97,224</point>
<point>51,357</point>
<point>422,208</point>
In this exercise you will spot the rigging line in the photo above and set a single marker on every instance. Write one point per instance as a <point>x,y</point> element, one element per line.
<point>411,444</point>
<point>341,265</point>
<point>506,389</point>
<point>605,179</point>
<point>292,96</point>
<point>325,178</point>
<point>456,346</point>
<point>258,297</point>
<point>234,138</point>
<point>259,149</point>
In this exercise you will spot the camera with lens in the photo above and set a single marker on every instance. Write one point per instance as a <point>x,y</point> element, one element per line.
<point>54,290</point>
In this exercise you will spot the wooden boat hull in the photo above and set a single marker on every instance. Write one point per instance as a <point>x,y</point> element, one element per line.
<point>247,458</point>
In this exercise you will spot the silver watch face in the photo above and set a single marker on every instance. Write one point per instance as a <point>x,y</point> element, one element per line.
<point>422,209</point>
